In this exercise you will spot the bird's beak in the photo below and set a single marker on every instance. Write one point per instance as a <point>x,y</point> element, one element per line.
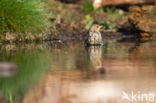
<point>100,27</point>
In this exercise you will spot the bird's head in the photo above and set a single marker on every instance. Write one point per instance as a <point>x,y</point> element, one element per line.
<point>96,27</point>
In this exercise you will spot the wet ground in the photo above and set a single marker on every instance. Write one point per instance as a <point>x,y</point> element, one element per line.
<point>71,73</point>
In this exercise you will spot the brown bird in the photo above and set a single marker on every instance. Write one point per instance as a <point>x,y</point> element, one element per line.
<point>95,37</point>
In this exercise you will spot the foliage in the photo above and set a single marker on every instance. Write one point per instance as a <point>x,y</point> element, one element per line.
<point>88,7</point>
<point>108,25</point>
<point>22,16</point>
<point>89,20</point>
<point>110,10</point>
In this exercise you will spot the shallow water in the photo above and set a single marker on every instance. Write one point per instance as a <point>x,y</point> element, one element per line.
<point>71,73</point>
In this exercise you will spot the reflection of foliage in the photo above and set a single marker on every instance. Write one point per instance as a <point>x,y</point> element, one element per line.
<point>22,16</point>
<point>31,65</point>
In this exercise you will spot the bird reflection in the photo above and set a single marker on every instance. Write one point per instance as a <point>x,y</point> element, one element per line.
<point>95,56</point>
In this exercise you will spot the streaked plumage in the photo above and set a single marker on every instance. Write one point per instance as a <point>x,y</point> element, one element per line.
<point>94,37</point>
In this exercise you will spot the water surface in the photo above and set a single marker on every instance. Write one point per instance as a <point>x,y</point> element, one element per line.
<point>72,73</point>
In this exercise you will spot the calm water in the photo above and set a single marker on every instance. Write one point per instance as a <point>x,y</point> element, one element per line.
<point>71,73</point>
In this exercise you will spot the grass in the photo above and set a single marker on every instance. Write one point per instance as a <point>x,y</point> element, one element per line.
<point>22,16</point>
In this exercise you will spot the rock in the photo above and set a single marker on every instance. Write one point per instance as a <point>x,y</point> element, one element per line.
<point>99,3</point>
<point>30,37</point>
<point>143,19</point>
<point>19,37</point>
<point>10,37</point>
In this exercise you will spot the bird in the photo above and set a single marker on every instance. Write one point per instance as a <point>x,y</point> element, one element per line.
<point>94,37</point>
